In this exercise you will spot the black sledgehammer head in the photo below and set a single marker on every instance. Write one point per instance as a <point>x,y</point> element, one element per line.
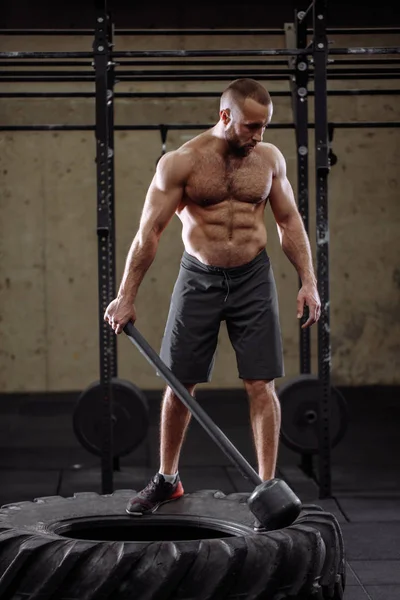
<point>274,504</point>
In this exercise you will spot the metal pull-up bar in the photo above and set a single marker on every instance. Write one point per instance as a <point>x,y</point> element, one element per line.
<point>199,32</point>
<point>194,126</point>
<point>204,53</point>
<point>168,95</point>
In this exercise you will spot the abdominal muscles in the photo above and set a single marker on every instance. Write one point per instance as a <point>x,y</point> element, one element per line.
<point>227,233</point>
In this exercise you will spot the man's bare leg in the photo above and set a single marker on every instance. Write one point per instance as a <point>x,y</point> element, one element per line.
<point>265,415</point>
<point>175,418</point>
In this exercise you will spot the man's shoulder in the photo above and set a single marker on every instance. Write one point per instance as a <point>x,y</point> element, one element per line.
<point>270,150</point>
<point>274,156</point>
<point>179,157</point>
<point>176,165</point>
<point>187,154</point>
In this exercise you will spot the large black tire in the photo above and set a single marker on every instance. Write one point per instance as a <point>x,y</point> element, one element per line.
<point>56,549</point>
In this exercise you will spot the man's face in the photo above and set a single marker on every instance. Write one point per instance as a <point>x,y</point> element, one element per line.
<point>245,125</point>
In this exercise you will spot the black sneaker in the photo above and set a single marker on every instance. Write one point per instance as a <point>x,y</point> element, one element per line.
<point>157,492</point>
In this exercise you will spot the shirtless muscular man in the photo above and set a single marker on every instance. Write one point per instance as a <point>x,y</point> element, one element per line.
<point>218,184</point>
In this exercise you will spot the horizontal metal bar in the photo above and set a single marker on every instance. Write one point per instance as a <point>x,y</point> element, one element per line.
<point>365,61</point>
<point>49,127</point>
<point>208,53</point>
<point>357,75</point>
<point>155,78</point>
<point>364,71</point>
<point>16,79</point>
<point>25,54</point>
<point>149,63</point>
<point>361,30</point>
<point>195,63</point>
<point>193,127</point>
<point>386,92</point>
<point>361,76</point>
<point>337,125</point>
<point>10,32</point>
<point>47,63</point>
<point>118,94</point>
<point>182,127</point>
<point>201,77</point>
<point>366,50</point>
<point>195,32</point>
<point>159,53</point>
<point>203,53</point>
<point>33,73</point>
<point>145,32</point>
<point>188,72</point>
<point>365,124</point>
<point>169,95</point>
<point>152,72</point>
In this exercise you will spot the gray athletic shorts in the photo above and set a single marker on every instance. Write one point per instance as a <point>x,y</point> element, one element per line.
<point>245,298</point>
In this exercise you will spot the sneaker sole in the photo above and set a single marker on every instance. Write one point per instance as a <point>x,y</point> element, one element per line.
<point>152,510</point>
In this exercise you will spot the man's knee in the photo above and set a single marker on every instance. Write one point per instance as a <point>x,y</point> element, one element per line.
<point>171,395</point>
<point>259,388</point>
<point>259,385</point>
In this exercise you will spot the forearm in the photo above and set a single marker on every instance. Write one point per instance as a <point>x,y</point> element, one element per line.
<point>140,257</point>
<point>296,246</point>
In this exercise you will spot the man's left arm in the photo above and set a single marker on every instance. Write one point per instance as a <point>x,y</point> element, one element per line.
<point>294,239</point>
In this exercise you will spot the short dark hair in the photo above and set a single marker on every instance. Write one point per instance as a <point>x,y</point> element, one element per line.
<point>240,89</point>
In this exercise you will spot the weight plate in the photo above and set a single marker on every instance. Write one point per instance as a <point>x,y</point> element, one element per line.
<point>300,408</point>
<point>130,417</point>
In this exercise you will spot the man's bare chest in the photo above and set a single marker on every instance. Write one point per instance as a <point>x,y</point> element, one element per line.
<point>215,180</point>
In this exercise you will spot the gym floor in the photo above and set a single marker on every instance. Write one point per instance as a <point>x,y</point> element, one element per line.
<point>40,456</point>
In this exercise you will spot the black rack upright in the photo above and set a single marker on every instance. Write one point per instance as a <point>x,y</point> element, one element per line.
<point>300,110</point>
<point>300,93</point>
<point>320,54</point>
<point>105,228</point>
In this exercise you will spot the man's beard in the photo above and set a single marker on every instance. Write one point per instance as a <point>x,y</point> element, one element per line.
<point>236,148</point>
<point>242,151</point>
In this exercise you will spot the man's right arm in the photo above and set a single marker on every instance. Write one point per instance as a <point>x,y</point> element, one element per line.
<point>162,200</point>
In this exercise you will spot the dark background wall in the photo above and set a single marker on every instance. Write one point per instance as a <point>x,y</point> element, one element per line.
<point>48,14</point>
<point>48,239</point>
